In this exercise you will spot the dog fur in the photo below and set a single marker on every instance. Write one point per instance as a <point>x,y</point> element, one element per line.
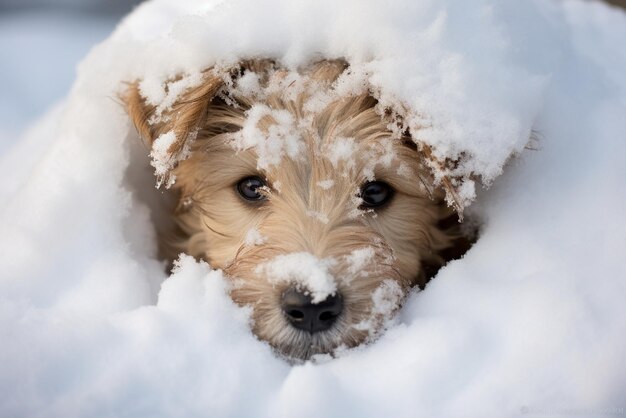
<point>312,203</point>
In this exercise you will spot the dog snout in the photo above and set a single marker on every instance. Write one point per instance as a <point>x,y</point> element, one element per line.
<point>305,315</point>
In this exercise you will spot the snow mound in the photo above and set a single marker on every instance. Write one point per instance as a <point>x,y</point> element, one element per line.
<point>531,320</point>
<point>469,101</point>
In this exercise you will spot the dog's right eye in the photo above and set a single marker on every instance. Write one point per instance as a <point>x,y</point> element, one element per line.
<point>250,188</point>
<point>375,194</point>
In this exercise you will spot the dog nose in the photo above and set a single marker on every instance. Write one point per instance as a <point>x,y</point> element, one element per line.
<point>303,314</point>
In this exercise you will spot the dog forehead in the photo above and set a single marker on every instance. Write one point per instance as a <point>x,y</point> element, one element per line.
<point>343,167</point>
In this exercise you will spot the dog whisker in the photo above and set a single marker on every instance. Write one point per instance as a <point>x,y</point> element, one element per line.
<point>206,225</point>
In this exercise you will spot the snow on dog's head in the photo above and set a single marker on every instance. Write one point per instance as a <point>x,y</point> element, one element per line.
<point>303,195</point>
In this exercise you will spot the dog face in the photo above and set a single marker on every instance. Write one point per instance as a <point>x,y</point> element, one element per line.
<point>322,217</point>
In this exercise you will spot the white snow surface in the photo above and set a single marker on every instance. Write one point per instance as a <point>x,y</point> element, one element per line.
<point>531,321</point>
<point>281,140</point>
<point>305,270</point>
<point>162,160</point>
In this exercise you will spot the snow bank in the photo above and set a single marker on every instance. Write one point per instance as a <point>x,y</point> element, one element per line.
<point>530,321</point>
<point>470,100</point>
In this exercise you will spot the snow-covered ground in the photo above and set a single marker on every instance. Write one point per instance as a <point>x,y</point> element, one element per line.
<point>532,321</point>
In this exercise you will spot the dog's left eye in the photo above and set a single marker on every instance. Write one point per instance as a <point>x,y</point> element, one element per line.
<point>375,194</point>
<point>250,188</point>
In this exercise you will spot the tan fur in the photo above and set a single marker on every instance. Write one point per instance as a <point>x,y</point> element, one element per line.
<point>299,215</point>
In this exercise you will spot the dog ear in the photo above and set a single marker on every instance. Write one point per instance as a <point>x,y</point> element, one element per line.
<point>177,124</point>
<point>139,112</point>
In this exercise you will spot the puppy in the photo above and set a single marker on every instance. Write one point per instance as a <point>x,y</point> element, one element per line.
<point>318,209</point>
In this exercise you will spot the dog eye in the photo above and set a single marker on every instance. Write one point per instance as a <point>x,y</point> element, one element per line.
<point>250,188</point>
<point>375,194</point>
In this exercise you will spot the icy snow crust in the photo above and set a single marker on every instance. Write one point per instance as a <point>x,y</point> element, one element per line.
<point>531,319</point>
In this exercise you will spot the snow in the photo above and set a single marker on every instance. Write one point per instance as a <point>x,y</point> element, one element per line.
<point>254,237</point>
<point>341,150</point>
<point>387,299</point>
<point>530,321</point>
<point>162,160</point>
<point>358,261</point>
<point>326,184</point>
<point>156,93</point>
<point>305,270</point>
<point>272,143</point>
<point>321,217</point>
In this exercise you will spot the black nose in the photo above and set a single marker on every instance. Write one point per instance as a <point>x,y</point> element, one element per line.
<point>303,314</point>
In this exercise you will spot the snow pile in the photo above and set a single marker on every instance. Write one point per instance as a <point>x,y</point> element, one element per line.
<point>469,100</point>
<point>531,320</point>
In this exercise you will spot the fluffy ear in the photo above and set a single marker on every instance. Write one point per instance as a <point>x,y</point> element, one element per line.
<point>169,130</point>
<point>139,112</point>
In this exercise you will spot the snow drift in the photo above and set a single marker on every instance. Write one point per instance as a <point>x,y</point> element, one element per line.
<point>531,320</point>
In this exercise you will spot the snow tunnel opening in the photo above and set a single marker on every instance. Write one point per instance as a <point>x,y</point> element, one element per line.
<point>468,234</point>
<point>151,209</point>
